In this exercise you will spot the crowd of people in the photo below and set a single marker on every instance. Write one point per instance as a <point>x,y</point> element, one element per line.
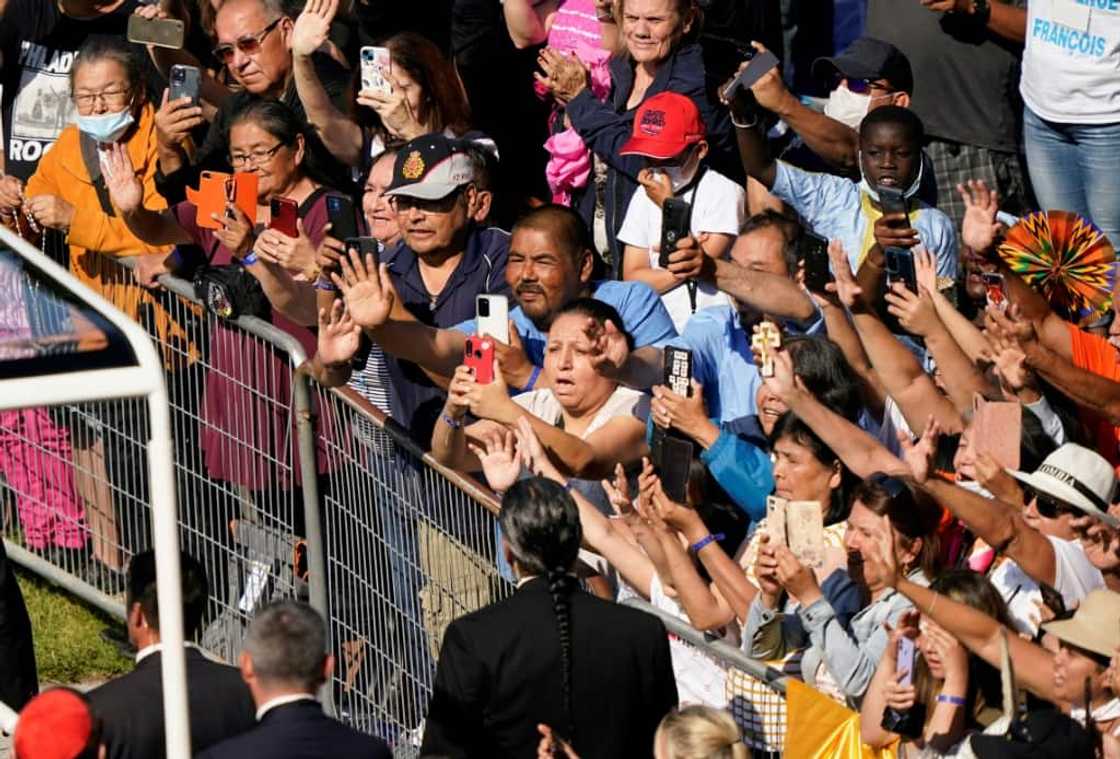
<point>812,344</point>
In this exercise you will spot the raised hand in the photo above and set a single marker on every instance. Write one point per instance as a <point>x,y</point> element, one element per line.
<point>657,186</point>
<point>770,91</point>
<point>550,742</point>
<point>918,456</point>
<point>689,261</point>
<point>892,230</point>
<point>458,400</point>
<point>501,462</point>
<point>995,479</point>
<point>979,228</point>
<point>879,554</point>
<point>339,336</point>
<point>618,492</point>
<point>675,515</point>
<point>608,350</point>
<point>312,28</point>
<point>685,413</point>
<point>395,111</point>
<point>784,382</point>
<point>125,189</point>
<point>847,290</point>
<point>367,288</point>
<point>564,76</point>
<point>914,312</point>
<point>925,271</point>
<point>533,453</point>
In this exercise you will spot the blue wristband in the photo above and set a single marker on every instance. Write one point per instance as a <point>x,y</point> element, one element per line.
<point>532,379</point>
<point>702,542</point>
<point>452,423</point>
<point>250,259</point>
<point>954,700</point>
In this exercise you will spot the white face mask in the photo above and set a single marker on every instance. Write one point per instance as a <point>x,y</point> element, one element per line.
<point>679,176</point>
<point>847,107</point>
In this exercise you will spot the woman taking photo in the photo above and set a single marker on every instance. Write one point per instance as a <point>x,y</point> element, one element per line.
<point>425,95</point>
<point>661,55</point>
<point>250,414</point>
<point>960,692</point>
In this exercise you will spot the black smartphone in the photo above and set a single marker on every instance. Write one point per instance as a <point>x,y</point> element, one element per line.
<point>362,246</point>
<point>812,250</point>
<point>678,370</point>
<point>1053,600</point>
<point>340,211</point>
<point>759,65</point>
<point>900,268</point>
<point>675,217</point>
<point>676,460</point>
<point>892,200</point>
<point>183,82</point>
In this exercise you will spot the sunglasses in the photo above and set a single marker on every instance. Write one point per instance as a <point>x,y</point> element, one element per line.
<point>249,44</point>
<point>858,86</point>
<point>1047,506</point>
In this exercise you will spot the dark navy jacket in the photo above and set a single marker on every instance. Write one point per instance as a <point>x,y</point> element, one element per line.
<point>605,128</point>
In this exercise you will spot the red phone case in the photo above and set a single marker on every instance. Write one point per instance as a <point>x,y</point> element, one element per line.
<point>479,355</point>
<point>284,214</point>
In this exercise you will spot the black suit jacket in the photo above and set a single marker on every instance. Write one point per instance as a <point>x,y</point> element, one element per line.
<point>499,675</point>
<point>131,707</point>
<point>299,730</point>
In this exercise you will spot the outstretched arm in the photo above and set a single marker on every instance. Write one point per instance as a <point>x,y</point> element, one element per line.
<point>528,22</point>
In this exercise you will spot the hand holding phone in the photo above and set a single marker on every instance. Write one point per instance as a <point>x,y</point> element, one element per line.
<point>492,317</point>
<point>376,64</point>
<point>283,214</point>
<point>812,251</point>
<point>805,532</point>
<point>678,370</point>
<point>676,217</point>
<point>479,356</point>
<point>995,290</point>
<point>183,82</point>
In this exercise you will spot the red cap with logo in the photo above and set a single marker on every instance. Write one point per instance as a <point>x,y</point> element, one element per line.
<point>664,126</point>
<point>56,724</point>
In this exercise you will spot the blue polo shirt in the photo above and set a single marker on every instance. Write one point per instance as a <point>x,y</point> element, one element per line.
<point>640,307</point>
<point>416,401</point>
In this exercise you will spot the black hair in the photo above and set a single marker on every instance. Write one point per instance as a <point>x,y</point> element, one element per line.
<point>280,121</point>
<point>1035,443</point>
<point>540,523</point>
<point>913,514</point>
<point>142,590</point>
<point>789,425</point>
<point>564,225</point>
<point>895,116</point>
<point>822,367</point>
<point>103,47</point>
<point>791,231</point>
<point>720,515</point>
<point>600,312</point>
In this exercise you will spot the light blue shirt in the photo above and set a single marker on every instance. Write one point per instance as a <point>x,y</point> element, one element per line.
<point>638,304</point>
<point>837,209</point>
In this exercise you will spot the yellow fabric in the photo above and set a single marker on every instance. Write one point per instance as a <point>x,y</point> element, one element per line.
<point>820,728</point>
<point>94,237</point>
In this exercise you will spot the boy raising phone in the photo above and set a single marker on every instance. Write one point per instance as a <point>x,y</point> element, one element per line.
<point>669,134</point>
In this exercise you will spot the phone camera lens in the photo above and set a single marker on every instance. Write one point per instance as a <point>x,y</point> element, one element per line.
<point>484,308</point>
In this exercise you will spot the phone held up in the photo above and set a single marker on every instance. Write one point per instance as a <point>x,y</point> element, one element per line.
<point>670,453</point>
<point>183,82</point>
<point>158,32</point>
<point>675,217</point>
<point>283,213</point>
<point>479,356</point>
<point>376,63</point>
<point>340,212</point>
<point>812,251</point>
<point>492,317</point>
<point>907,723</point>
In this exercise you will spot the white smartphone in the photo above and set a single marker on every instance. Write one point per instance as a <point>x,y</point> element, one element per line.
<point>776,519</point>
<point>376,65</point>
<point>805,532</point>
<point>492,317</point>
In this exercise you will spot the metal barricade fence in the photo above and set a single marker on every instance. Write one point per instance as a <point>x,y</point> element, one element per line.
<point>759,712</point>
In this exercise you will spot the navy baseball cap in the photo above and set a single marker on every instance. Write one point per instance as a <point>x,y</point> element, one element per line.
<point>869,58</point>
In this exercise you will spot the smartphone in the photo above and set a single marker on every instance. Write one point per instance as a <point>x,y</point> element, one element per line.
<point>776,520</point>
<point>209,198</point>
<point>892,200</point>
<point>479,355</point>
<point>340,211</point>
<point>363,246</point>
<point>678,370</point>
<point>805,532</point>
<point>676,460</point>
<point>241,191</point>
<point>995,289</point>
<point>759,65</point>
<point>492,317</point>
<point>996,430</point>
<point>766,339</point>
<point>905,664</point>
<point>675,217</point>
<point>376,63</point>
<point>812,250</point>
<point>284,213</point>
<point>183,82</point>
<point>900,268</point>
<point>161,32</point>
<point>1053,600</point>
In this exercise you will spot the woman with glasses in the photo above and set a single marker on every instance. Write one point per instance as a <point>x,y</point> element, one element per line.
<point>248,415</point>
<point>424,95</point>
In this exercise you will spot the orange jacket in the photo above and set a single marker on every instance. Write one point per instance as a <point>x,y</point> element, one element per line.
<point>95,238</point>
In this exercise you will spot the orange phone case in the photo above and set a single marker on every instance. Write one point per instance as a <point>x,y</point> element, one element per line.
<point>210,197</point>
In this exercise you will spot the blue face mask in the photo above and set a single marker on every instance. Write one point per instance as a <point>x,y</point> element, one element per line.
<point>106,127</point>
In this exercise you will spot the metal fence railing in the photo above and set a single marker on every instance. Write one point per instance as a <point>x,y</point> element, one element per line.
<point>758,707</point>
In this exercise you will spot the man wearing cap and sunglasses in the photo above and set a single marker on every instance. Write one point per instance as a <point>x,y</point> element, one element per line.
<point>1036,541</point>
<point>254,43</point>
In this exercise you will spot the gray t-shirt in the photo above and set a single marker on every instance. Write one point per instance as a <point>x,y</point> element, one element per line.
<point>966,78</point>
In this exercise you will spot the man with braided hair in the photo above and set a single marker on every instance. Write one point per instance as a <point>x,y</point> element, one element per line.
<point>599,673</point>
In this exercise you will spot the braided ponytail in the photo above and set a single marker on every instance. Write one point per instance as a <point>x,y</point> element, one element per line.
<point>560,585</point>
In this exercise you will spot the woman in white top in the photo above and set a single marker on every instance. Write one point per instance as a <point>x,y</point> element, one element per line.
<point>587,422</point>
<point>1071,114</point>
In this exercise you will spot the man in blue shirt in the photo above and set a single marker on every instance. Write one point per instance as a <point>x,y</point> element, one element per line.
<point>550,264</point>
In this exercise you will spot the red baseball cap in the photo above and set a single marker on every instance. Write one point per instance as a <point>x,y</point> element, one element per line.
<point>665,125</point>
<point>56,724</point>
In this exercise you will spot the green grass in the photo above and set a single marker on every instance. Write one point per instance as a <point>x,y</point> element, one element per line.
<point>68,643</point>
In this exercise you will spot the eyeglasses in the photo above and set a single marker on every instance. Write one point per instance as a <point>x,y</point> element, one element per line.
<point>1046,506</point>
<point>249,45</point>
<point>255,157</point>
<point>403,203</point>
<point>111,98</point>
